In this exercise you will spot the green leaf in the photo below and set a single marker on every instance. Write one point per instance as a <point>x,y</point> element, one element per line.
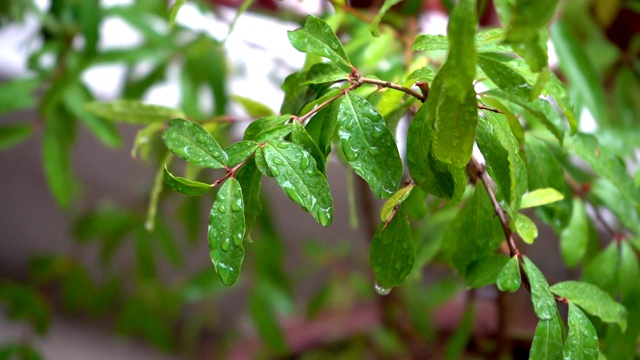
<point>325,73</point>
<point>526,228</point>
<point>603,270</point>
<point>322,126</point>
<point>14,134</point>
<point>261,163</point>
<point>58,136</point>
<point>250,179</point>
<point>154,197</point>
<point>423,74</point>
<point>194,144</point>
<point>263,124</point>
<point>295,171</point>
<point>623,207</point>
<point>226,231</point>
<point>559,92</point>
<point>474,233</point>
<point>485,41</point>
<point>18,94</point>
<point>540,197</point>
<point>142,142</point>
<point>253,108</point>
<point>460,338</point>
<point>23,302</point>
<point>582,340</point>
<point>392,254</point>
<point>264,318</point>
<point>500,149</point>
<point>575,237</point>
<point>547,340</point>
<point>388,4</point>
<point>317,37</point>
<point>527,16</point>
<point>428,42</point>
<point>543,302</point>
<point>396,199</point>
<point>173,12</point>
<point>505,77</point>
<point>185,186</point>
<point>300,136</point>
<point>368,145</point>
<point>275,133</point>
<point>580,72</point>
<point>296,95</point>
<point>132,112</point>
<point>509,278</point>
<point>484,271</point>
<point>240,152</point>
<point>592,300</point>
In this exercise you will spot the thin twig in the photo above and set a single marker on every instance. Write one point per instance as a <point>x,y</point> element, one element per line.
<point>393,86</point>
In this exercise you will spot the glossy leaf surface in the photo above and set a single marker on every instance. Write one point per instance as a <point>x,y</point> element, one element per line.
<point>547,340</point>
<point>226,231</point>
<point>392,254</point>
<point>505,77</point>
<point>133,112</point>
<point>322,126</point>
<point>240,151</point>
<point>275,133</point>
<point>295,171</point>
<point>325,72</point>
<point>526,228</point>
<point>582,340</point>
<point>194,144</point>
<point>485,270</point>
<point>540,197</point>
<point>261,125</point>
<point>185,186</point>
<point>368,145</point>
<point>301,137</point>
<point>396,199</point>
<point>250,178</point>
<point>317,37</point>
<point>543,302</point>
<point>509,278</point>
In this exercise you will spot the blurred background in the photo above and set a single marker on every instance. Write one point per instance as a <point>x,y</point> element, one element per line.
<point>98,261</point>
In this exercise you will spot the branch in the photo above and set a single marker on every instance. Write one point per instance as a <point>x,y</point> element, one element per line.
<point>393,86</point>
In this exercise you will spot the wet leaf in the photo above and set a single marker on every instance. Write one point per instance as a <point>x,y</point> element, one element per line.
<point>325,73</point>
<point>396,199</point>
<point>509,277</point>
<point>543,302</point>
<point>193,143</point>
<point>240,152</point>
<point>261,125</point>
<point>484,271</point>
<point>427,42</point>
<point>582,340</point>
<point>575,237</point>
<point>505,77</point>
<point>133,112</point>
<point>368,145</point>
<point>226,231</point>
<point>527,16</point>
<point>250,179</point>
<point>322,126</point>
<point>295,171</point>
<point>560,94</point>
<point>526,228</point>
<point>392,254</point>
<point>317,37</point>
<point>185,186</point>
<point>300,136</point>
<point>275,133</point>
<point>540,197</point>
<point>547,340</point>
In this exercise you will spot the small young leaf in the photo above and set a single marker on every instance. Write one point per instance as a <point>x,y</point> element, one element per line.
<point>368,145</point>
<point>540,197</point>
<point>240,151</point>
<point>485,270</point>
<point>14,134</point>
<point>582,340</point>
<point>193,143</point>
<point>295,171</point>
<point>317,37</point>
<point>226,231</point>
<point>547,340</point>
<point>300,136</point>
<point>526,228</point>
<point>185,186</point>
<point>509,278</point>
<point>592,300</point>
<point>383,10</point>
<point>423,74</point>
<point>263,124</point>
<point>133,112</point>
<point>543,302</point>
<point>321,73</point>
<point>575,237</point>
<point>142,142</point>
<point>392,254</point>
<point>253,108</point>
<point>396,199</point>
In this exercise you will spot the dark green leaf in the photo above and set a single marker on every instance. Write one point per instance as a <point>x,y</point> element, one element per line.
<point>133,112</point>
<point>253,108</point>
<point>526,228</point>
<point>322,126</point>
<point>275,133</point>
<point>582,340</point>
<point>263,124</point>
<point>18,94</point>
<point>383,10</point>
<point>575,237</point>
<point>547,340</point>
<point>501,152</point>
<point>296,172</point>
<point>300,136</point>
<point>509,277</point>
<point>330,93</point>
<point>57,140</point>
<point>317,37</point>
<point>392,254</point>
<point>462,335</point>
<point>527,16</point>
<point>505,77</point>
<point>24,303</point>
<point>185,186</point>
<point>240,151</point>
<point>592,300</point>
<point>227,230</point>
<point>368,145</point>
<point>265,320</point>
<point>173,12</point>
<point>396,199</point>
<point>475,232</point>
<point>14,134</point>
<point>250,178</point>
<point>603,270</point>
<point>325,73</point>
<point>543,302</point>
<point>484,271</point>
<point>193,143</point>
<point>296,95</point>
<point>540,197</point>
<point>261,164</point>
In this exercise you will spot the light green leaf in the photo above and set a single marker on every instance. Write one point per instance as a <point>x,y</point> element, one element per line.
<point>485,270</point>
<point>253,108</point>
<point>526,228</point>
<point>543,302</point>
<point>132,112</point>
<point>156,189</point>
<point>509,278</point>
<point>428,42</point>
<point>226,231</point>
<point>300,136</point>
<point>194,144</point>
<point>383,10</point>
<point>540,197</point>
<point>14,134</point>
<point>396,199</point>
<point>575,237</point>
<point>263,124</point>
<point>173,12</point>
<point>423,74</point>
<point>547,340</point>
<point>295,171</point>
<point>250,178</point>
<point>325,73</point>
<point>485,41</point>
<point>592,300</point>
<point>185,186</point>
<point>240,151</point>
<point>317,37</point>
<point>559,92</point>
<point>582,340</point>
<point>368,145</point>
<point>392,254</point>
<point>505,77</point>
<point>142,142</point>
<point>17,94</point>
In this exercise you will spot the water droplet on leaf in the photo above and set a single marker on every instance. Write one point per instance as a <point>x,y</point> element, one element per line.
<point>225,245</point>
<point>222,209</point>
<point>381,290</point>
